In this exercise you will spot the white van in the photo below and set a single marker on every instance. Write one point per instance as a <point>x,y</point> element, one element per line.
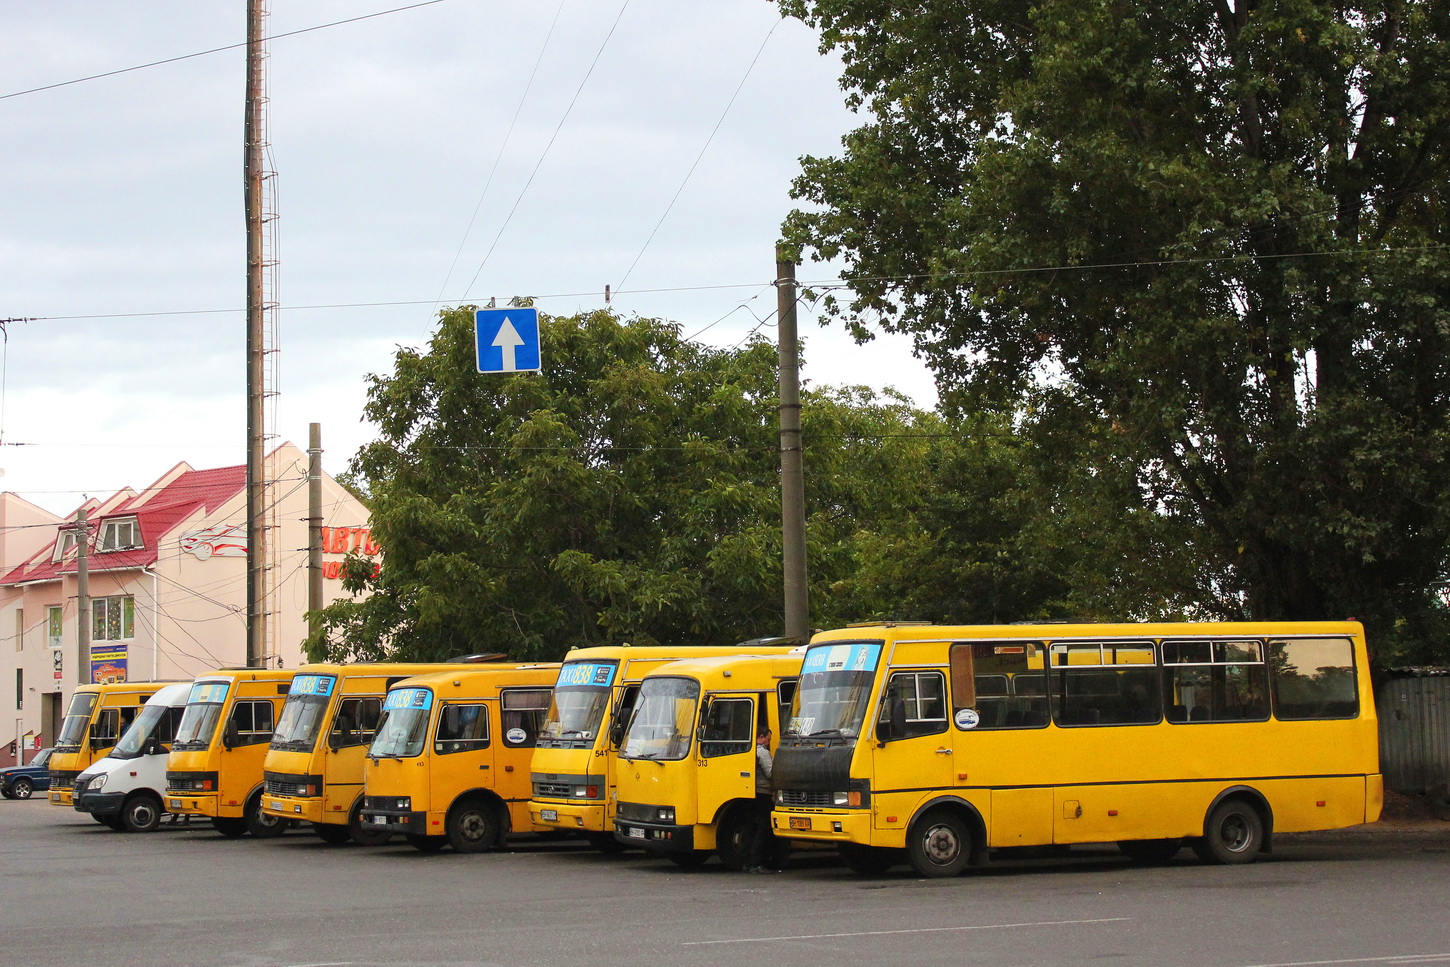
<point>124,790</point>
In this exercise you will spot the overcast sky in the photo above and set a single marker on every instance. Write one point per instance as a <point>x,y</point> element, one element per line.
<point>122,197</point>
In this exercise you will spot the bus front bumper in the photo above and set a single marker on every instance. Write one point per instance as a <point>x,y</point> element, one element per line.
<point>823,827</point>
<point>61,797</point>
<point>291,807</point>
<point>189,804</point>
<point>655,837</point>
<point>569,816</point>
<point>395,816</point>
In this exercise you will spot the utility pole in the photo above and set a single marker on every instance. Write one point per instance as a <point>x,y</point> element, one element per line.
<point>82,531</point>
<point>256,475</point>
<point>792,477</point>
<point>314,527</point>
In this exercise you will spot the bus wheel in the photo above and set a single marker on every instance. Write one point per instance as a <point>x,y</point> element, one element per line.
<point>361,835</point>
<point>692,860</point>
<point>1150,852</point>
<point>229,827</point>
<point>732,840</point>
<point>332,834</point>
<point>1234,834</point>
<point>472,826</point>
<point>22,789</point>
<point>427,844</point>
<point>605,843</point>
<point>939,844</point>
<point>866,860</point>
<point>141,813</point>
<point>259,822</point>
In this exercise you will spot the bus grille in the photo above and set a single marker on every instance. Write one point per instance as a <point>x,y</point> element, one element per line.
<point>191,782</point>
<point>558,790</point>
<point>636,812</point>
<point>799,797</point>
<point>63,780</point>
<point>283,787</point>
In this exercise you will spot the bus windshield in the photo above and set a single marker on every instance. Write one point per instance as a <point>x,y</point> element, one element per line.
<point>77,717</point>
<point>303,712</point>
<point>404,727</point>
<point>151,720</point>
<point>579,702</point>
<point>203,711</point>
<point>663,720</point>
<point>834,685</point>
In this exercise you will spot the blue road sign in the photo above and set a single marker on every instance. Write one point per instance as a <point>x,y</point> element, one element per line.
<point>508,340</point>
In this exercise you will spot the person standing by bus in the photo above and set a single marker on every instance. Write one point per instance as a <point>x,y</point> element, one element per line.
<point>762,838</point>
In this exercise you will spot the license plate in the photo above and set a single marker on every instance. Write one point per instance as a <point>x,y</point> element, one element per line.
<point>549,815</point>
<point>635,833</point>
<point>800,822</point>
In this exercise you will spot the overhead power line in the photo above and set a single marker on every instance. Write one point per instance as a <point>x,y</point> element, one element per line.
<point>214,50</point>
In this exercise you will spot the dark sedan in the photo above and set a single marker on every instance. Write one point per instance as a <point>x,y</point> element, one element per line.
<point>18,782</point>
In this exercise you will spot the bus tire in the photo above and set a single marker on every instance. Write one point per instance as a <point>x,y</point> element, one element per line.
<point>732,839</point>
<point>141,813</point>
<point>1233,834</point>
<point>229,826</point>
<point>472,826</point>
<point>259,822</point>
<point>1150,852</point>
<point>332,834</point>
<point>866,860</point>
<point>362,835</point>
<point>427,844</point>
<point>939,844</point>
<point>22,789</point>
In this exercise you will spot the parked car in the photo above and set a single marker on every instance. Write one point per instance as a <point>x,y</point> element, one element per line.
<point>18,782</point>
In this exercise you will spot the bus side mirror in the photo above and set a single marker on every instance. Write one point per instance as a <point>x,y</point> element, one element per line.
<point>616,732</point>
<point>894,725</point>
<point>229,735</point>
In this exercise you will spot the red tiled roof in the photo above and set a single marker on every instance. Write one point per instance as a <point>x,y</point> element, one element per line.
<point>157,511</point>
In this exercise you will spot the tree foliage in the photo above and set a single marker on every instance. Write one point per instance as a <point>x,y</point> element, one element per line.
<point>630,492</point>
<point>1201,244</point>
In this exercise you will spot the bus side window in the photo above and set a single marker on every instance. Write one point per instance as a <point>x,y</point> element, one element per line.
<point>1215,681</point>
<point>1002,682</point>
<point>356,721</point>
<point>106,728</point>
<point>1314,679</point>
<point>729,727</point>
<point>461,728</point>
<point>921,697</point>
<point>524,709</point>
<point>252,722</point>
<point>1104,683</point>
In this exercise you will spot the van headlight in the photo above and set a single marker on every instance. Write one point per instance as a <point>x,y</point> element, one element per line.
<point>97,782</point>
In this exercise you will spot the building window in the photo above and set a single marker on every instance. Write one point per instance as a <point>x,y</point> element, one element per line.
<point>120,535</point>
<point>65,542</point>
<point>54,629</point>
<point>19,688</point>
<point>113,618</point>
<point>19,629</point>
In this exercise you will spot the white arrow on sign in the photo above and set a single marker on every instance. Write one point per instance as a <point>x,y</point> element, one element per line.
<point>508,341</point>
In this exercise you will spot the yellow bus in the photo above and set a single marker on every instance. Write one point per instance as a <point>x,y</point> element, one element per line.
<point>573,771</point>
<point>97,717</point>
<point>933,745</point>
<point>687,772</point>
<point>313,770</point>
<point>217,771</point>
<point>450,762</point>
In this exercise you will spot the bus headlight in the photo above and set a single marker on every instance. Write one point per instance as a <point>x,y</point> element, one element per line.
<point>665,814</point>
<point>586,792</point>
<point>852,798</point>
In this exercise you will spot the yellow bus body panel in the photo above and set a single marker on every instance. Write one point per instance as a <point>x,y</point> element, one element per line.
<point>65,765</point>
<point>238,769</point>
<point>340,770</point>
<point>597,762</point>
<point>434,781</point>
<point>1093,784</point>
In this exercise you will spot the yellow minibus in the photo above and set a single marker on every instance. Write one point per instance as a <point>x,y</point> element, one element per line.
<point>95,721</point>
<point>574,764</point>
<point>687,768</point>
<point>215,766</point>
<point>932,745</point>
<point>450,762</point>
<point>313,770</point>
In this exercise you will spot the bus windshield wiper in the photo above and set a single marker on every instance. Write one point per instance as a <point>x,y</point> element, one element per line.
<point>377,756</point>
<point>825,732</point>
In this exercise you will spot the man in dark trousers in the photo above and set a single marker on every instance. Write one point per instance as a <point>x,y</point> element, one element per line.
<point>762,838</point>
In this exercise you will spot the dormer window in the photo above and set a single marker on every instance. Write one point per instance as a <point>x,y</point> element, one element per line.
<point>64,543</point>
<point>122,534</point>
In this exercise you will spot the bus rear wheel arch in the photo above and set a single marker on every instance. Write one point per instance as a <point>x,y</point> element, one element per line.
<point>473,825</point>
<point>1235,831</point>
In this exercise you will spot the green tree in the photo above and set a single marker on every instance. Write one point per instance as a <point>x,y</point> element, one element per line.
<point>1208,237</point>
<point>630,492</point>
